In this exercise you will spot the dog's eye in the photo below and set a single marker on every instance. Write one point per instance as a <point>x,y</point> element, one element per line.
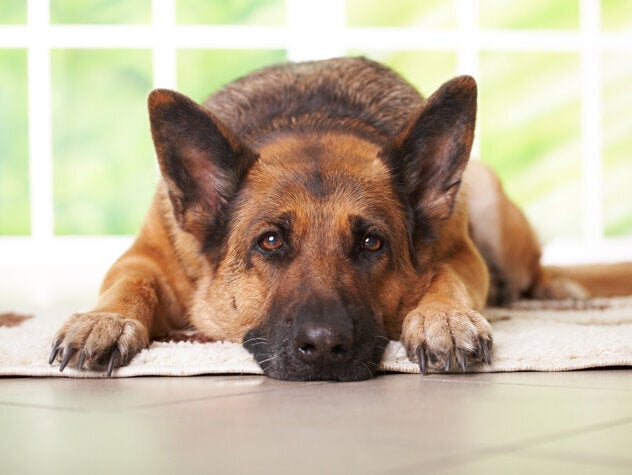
<point>372,243</point>
<point>270,242</point>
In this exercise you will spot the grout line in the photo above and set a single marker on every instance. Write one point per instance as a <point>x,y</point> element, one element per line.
<point>447,379</point>
<point>481,454</point>
<point>580,458</point>
<point>44,406</point>
<point>210,398</point>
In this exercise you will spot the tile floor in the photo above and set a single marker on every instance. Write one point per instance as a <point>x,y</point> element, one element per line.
<point>575,422</point>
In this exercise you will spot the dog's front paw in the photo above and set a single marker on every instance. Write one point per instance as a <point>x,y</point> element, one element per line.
<point>441,339</point>
<point>98,341</point>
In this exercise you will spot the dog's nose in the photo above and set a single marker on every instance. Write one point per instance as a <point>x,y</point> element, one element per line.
<point>328,345</point>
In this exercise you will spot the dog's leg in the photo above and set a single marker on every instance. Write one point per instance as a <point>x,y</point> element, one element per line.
<point>445,330</point>
<point>137,301</point>
<point>509,244</point>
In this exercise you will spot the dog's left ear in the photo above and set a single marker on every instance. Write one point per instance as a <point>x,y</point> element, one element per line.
<point>429,156</point>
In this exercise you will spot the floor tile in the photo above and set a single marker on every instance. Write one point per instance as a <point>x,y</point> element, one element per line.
<point>44,441</point>
<point>120,393</point>
<point>486,423</point>
<point>598,379</point>
<point>523,463</point>
<point>606,446</point>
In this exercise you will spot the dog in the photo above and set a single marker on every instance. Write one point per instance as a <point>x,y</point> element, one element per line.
<point>313,212</point>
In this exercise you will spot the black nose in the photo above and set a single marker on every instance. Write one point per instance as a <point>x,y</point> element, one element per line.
<point>316,343</point>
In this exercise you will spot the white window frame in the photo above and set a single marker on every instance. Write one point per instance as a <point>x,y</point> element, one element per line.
<point>313,30</point>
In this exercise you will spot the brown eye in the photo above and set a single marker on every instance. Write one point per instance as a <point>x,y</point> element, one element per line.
<point>372,243</point>
<point>270,242</point>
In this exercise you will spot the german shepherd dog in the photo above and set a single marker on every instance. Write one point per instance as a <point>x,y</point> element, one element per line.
<point>313,212</point>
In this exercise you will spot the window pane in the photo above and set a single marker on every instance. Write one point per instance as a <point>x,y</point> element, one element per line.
<point>234,12</point>
<point>429,13</point>
<point>202,72</point>
<point>14,166</point>
<point>616,14</point>
<point>104,168</point>
<point>617,134</point>
<point>529,117</point>
<point>426,70</point>
<point>13,11</point>
<point>100,11</point>
<point>529,14</point>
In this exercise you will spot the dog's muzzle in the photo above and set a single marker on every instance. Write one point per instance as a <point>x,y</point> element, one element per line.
<point>318,340</point>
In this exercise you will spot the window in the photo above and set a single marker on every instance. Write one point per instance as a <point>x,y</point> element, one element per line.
<point>76,161</point>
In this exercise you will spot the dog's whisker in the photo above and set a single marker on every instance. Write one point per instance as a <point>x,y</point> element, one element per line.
<point>260,339</point>
<point>367,368</point>
<point>258,343</point>
<point>271,358</point>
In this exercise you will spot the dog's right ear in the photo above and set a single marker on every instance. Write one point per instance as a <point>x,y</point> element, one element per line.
<point>201,161</point>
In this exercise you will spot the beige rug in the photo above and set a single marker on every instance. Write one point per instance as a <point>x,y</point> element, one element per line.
<point>531,336</point>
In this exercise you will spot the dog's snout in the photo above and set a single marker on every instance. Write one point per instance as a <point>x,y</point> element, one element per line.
<point>317,343</point>
<point>318,338</point>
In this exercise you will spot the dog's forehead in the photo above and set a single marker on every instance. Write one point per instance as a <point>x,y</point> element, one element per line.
<point>317,180</point>
<point>319,164</point>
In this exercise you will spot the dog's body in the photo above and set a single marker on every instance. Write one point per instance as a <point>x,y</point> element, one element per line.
<point>313,214</point>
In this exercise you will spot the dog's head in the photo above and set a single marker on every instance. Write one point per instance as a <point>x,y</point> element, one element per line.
<point>313,240</point>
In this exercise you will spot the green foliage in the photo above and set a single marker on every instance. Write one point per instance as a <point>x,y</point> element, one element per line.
<point>14,169</point>
<point>233,12</point>
<point>104,169</point>
<point>529,125</point>
<point>616,14</point>
<point>429,13</point>
<point>529,14</point>
<point>617,134</point>
<point>100,11</point>
<point>13,12</point>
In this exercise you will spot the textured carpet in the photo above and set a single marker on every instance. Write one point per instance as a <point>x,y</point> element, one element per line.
<point>530,336</point>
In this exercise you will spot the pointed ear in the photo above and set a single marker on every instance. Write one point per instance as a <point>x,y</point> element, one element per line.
<point>200,160</point>
<point>430,154</point>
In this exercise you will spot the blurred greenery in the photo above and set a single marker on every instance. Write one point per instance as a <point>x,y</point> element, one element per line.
<point>529,14</point>
<point>219,67</point>
<point>14,169</point>
<point>104,171</point>
<point>13,12</point>
<point>234,12</point>
<point>100,11</point>
<point>104,166</point>
<point>617,135</point>
<point>529,126</point>
<point>429,13</point>
<point>616,14</point>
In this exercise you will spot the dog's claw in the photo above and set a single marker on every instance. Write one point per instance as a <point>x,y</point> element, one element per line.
<point>461,360</point>
<point>448,364</point>
<point>421,356</point>
<point>485,347</point>
<point>54,351</point>
<point>113,358</point>
<point>82,360</point>
<point>66,358</point>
